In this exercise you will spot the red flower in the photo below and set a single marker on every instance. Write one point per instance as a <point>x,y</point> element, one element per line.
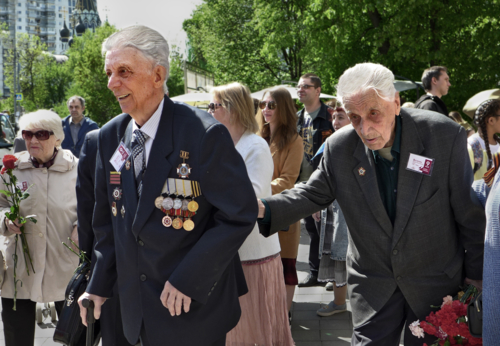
<point>9,161</point>
<point>3,170</point>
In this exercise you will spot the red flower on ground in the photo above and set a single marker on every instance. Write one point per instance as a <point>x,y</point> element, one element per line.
<point>9,161</point>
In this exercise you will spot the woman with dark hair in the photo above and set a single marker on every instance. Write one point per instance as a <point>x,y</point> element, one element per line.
<point>277,122</point>
<point>485,143</point>
<point>456,117</point>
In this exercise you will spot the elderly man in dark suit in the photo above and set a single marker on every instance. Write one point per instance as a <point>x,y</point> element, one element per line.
<point>110,322</point>
<point>173,205</point>
<point>403,181</point>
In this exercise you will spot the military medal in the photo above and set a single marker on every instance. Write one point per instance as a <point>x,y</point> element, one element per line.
<point>114,178</point>
<point>177,223</point>
<point>188,225</point>
<point>127,165</point>
<point>193,205</point>
<point>123,212</point>
<point>168,203</point>
<point>361,171</point>
<point>183,170</point>
<point>117,193</point>
<point>159,202</point>
<point>166,221</point>
<point>113,208</point>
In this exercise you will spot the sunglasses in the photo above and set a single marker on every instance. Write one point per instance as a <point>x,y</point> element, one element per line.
<point>271,105</point>
<point>213,106</point>
<point>41,135</point>
<point>304,86</point>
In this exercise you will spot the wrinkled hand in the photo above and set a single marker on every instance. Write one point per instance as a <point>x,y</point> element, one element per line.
<point>477,283</point>
<point>98,301</point>
<point>174,300</point>
<point>317,216</point>
<point>262,209</point>
<point>74,237</point>
<point>13,226</point>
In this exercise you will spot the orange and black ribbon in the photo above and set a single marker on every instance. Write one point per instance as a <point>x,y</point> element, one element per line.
<point>489,176</point>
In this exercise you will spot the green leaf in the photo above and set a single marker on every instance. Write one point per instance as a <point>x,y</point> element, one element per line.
<point>6,193</point>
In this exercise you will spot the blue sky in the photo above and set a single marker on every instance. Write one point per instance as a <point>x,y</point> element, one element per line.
<point>165,16</point>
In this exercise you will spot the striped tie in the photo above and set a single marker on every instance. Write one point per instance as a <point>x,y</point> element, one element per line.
<point>138,150</point>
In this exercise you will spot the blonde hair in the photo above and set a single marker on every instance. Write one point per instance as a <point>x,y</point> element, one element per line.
<point>46,120</point>
<point>236,99</point>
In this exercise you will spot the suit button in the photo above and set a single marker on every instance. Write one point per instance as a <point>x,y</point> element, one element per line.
<point>140,242</point>
<point>398,278</point>
<point>143,277</point>
<point>395,252</point>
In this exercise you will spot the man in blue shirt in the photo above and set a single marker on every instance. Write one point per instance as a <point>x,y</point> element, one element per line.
<point>76,125</point>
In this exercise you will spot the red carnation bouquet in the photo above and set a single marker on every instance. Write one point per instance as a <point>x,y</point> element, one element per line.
<point>449,324</point>
<point>15,195</point>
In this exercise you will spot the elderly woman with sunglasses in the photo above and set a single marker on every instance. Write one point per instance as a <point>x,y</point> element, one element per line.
<point>49,173</point>
<point>263,309</point>
<point>277,121</point>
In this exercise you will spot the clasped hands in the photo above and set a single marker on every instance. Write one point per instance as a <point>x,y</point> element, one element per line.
<point>170,297</point>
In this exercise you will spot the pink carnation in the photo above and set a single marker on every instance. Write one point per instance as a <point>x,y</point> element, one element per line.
<point>416,330</point>
<point>448,300</point>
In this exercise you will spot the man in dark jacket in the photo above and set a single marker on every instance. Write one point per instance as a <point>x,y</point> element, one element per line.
<point>315,126</point>
<point>436,82</point>
<point>76,125</point>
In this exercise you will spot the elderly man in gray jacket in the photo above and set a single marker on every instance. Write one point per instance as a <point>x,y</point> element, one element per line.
<point>403,179</point>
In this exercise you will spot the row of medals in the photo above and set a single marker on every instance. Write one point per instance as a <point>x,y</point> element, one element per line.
<point>183,209</point>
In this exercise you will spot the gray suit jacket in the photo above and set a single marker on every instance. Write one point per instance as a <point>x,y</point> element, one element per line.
<point>439,226</point>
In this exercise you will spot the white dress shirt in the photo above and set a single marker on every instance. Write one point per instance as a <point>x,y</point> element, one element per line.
<point>150,128</point>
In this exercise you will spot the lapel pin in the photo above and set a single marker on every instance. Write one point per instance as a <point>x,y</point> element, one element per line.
<point>127,165</point>
<point>117,193</point>
<point>361,171</point>
<point>123,212</point>
<point>113,208</point>
<point>183,170</point>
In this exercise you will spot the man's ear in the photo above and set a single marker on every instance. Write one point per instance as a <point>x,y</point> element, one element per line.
<point>434,80</point>
<point>160,73</point>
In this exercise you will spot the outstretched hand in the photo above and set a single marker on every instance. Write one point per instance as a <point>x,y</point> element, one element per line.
<point>174,300</point>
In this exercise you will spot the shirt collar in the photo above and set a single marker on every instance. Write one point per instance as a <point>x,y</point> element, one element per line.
<point>151,126</point>
<point>76,124</point>
<point>396,146</point>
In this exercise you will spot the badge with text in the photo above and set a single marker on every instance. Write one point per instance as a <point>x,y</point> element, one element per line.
<point>420,164</point>
<point>120,156</point>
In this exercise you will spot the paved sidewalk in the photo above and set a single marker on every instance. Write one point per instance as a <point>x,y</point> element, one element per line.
<point>308,329</point>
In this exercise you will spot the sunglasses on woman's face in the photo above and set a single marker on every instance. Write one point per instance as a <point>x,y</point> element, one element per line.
<point>271,105</point>
<point>213,106</point>
<point>41,135</point>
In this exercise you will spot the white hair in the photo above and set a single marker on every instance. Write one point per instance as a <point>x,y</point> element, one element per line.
<point>364,77</point>
<point>149,42</point>
<point>45,120</point>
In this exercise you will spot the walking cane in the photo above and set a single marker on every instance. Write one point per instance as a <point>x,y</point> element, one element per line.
<point>89,305</point>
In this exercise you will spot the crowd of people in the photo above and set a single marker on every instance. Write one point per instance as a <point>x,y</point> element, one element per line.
<point>192,218</point>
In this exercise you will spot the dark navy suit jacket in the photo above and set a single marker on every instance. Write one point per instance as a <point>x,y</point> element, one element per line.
<point>142,255</point>
<point>87,126</point>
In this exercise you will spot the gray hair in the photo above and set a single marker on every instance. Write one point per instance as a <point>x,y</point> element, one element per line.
<point>364,77</point>
<point>76,97</point>
<point>149,42</point>
<point>45,120</point>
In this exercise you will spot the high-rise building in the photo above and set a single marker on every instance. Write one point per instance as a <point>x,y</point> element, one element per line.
<point>45,19</point>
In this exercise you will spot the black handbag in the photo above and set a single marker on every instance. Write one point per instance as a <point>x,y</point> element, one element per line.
<point>475,316</point>
<point>70,330</point>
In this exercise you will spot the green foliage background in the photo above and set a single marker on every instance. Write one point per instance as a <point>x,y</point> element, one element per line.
<point>263,42</point>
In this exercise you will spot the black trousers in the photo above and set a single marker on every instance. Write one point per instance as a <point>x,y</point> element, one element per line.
<point>111,323</point>
<point>19,325</point>
<point>313,246</point>
<point>145,342</point>
<point>384,329</point>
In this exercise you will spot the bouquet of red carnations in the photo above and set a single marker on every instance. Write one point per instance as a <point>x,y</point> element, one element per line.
<point>449,324</point>
<point>15,195</point>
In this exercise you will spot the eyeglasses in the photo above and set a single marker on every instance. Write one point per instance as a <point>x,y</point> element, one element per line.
<point>271,105</point>
<point>304,86</point>
<point>41,135</point>
<point>213,106</point>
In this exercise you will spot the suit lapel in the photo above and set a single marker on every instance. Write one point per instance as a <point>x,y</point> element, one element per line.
<point>408,181</point>
<point>158,167</point>
<point>365,173</point>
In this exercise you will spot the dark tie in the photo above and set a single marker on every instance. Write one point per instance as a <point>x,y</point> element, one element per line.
<point>138,152</point>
